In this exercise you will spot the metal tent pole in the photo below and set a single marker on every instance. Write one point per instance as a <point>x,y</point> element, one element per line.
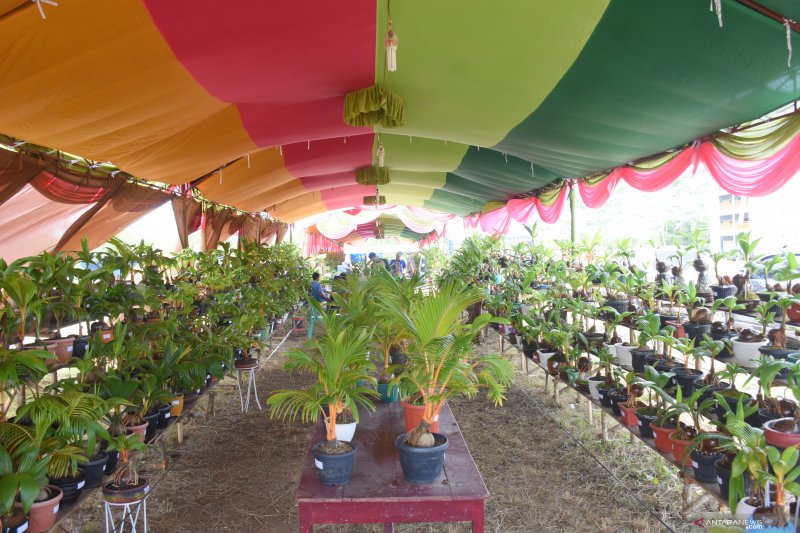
<point>572,228</point>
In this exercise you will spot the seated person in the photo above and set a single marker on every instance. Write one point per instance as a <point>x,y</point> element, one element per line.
<point>317,292</point>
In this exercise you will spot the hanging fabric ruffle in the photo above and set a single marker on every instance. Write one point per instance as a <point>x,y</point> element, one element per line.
<point>372,176</point>
<point>374,105</point>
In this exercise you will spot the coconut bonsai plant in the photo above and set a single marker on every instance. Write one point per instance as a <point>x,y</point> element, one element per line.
<point>441,365</point>
<point>22,476</point>
<point>127,486</point>
<point>656,400</point>
<point>339,361</point>
<point>724,286</point>
<point>781,475</point>
<point>649,329</point>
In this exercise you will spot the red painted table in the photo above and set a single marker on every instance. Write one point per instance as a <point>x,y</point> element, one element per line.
<point>377,491</point>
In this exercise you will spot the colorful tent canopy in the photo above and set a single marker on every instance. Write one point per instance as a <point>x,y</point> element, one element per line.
<point>501,99</point>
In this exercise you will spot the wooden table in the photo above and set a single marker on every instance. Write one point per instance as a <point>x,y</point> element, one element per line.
<point>378,492</point>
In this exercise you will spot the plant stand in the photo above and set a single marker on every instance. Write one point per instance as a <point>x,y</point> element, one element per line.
<point>251,385</point>
<point>131,514</point>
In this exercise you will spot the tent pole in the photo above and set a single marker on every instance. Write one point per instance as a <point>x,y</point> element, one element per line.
<point>572,228</point>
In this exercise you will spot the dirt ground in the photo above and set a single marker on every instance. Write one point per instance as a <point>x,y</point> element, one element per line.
<point>238,472</point>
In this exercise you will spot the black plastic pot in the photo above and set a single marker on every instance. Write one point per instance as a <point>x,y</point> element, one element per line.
<point>422,465</point>
<point>15,516</point>
<point>71,486</point>
<point>111,462</point>
<point>616,397</point>
<point>765,417</point>
<point>94,470</point>
<point>703,466</point>
<point>709,392</point>
<point>723,478</point>
<point>152,425</point>
<point>605,399</point>
<point>765,297</point>
<point>728,351</point>
<point>333,469</point>
<point>79,346</point>
<point>696,331</point>
<point>620,306</point>
<point>685,377</point>
<point>732,403</point>
<point>644,424</point>
<point>667,365</point>
<point>666,319</point>
<point>639,359</point>
<point>775,352</point>
<point>529,348</point>
<point>163,417</point>
<point>723,291</point>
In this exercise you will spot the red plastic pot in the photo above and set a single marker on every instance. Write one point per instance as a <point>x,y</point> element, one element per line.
<point>629,417</point>
<point>793,313</point>
<point>779,438</point>
<point>413,416</point>
<point>661,438</point>
<point>679,449</point>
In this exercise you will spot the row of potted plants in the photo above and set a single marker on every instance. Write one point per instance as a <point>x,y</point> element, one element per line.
<point>161,329</point>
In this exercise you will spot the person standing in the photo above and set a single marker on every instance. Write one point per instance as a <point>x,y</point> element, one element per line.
<point>375,260</point>
<point>411,266</point>
<point>398,267</point>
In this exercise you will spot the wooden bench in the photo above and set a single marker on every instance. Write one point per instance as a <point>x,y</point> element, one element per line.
<point>377,491</point>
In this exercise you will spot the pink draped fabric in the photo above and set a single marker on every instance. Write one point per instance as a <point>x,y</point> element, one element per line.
<point>737,176</point>
<point>496,221</point>
<point>551,213</point>
<point>317,244</point>
<point>752,178</point>
<point>522,209</point>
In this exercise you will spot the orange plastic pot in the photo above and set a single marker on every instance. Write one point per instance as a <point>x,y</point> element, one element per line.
<point>679,449</point>
<point>412,415</point>
<point>107,335</point>
<point>177,406</point>
<point>629,417</point>
<point>661,438</point>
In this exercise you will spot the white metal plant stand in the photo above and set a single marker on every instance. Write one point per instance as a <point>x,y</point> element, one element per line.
<point>131,513</point>
<point>251,386</point>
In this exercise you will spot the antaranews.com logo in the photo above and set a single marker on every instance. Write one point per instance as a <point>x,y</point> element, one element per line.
<point>707,523</point>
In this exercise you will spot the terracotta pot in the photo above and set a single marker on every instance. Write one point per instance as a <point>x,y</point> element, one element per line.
<point>793,313</point>
<point>661,438</point>
<point>413,416</point>
<point>629,417</point>
<point>779,438</point>
<point>177,406</point>
<point>679,332</point>
<point>679,449</point>
<point>62,348</point>
<point>106,336</point>
<point>141,429</point>
<point>43,514</point>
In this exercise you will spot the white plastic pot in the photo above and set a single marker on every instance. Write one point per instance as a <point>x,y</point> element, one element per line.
<point>624,354</point>
<point>746,353</point>
<point>593,384</point>
<point>345,432</point>
<point>743,510</point>
<point>544,357</point>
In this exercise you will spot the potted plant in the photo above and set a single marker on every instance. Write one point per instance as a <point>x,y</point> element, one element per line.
<point>649,329</point>
<point>338,360</point>
<point>747,247</point>
<point>681,438</point>
<point>656,401</point>
<point>765,373</point>
<point>127,486</point>
<point>746,345</point>
<point>781,475</point>
<point>724,287</point>
<point>441,365</point>
<point>699,318</point>
<point>785,432</point>
<point>685,375</point>
<point>725,330</point>
<point>605,374</point>
<point>22,476</point>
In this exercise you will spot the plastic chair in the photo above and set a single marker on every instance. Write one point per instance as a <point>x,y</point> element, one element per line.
<point>312,316</point>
